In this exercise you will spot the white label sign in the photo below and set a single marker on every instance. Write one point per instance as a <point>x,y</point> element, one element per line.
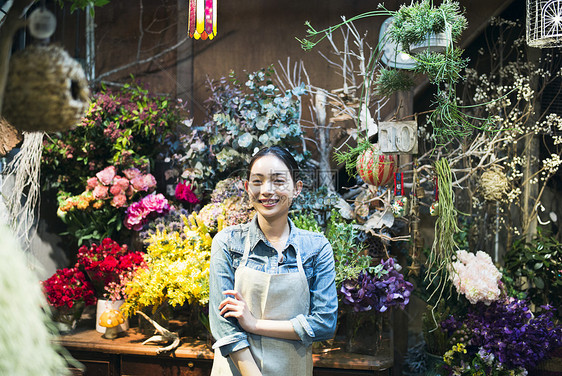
<point>398,137</point>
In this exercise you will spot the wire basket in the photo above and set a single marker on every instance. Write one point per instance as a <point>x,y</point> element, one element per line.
<point>544,23</point>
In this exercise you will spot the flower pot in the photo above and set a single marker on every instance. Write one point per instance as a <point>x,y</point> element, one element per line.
<point>369,333</point>
<point>433,42</point>
<point>67,318</point>
<point>109,304</point>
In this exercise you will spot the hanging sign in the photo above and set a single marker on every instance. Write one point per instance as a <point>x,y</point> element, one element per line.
<point>398,137</point>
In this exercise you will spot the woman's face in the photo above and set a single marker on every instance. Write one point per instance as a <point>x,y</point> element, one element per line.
<point>271,187</point>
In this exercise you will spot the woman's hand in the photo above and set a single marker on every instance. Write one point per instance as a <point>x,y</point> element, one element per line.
<point>236,307</point>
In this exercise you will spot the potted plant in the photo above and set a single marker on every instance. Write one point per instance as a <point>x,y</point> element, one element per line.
<point>176,273</point>
<point>421,26</point>
<point>109,266</point>
<point>68,292</point>
<point>412,25</point>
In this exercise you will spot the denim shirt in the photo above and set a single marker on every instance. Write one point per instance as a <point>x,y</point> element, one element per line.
<point>318,263</point>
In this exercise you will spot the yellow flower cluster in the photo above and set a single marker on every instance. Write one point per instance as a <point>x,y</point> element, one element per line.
<point>177,269</point>
<point>449,355</point>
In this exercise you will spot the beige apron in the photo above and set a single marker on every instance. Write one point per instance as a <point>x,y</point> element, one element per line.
<point>272,297</point>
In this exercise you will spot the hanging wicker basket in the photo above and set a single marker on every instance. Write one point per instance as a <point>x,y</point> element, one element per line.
<point>46,90</point>
<point>544,23</point>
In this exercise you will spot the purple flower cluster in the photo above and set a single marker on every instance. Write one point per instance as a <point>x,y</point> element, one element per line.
<point>380,290</point>
<point>508,330</point>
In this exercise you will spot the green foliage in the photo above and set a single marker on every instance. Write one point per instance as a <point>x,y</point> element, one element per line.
<point>306,221</point>
<point>245,116</point>
<point>444,244</point>
<point>390,81</point>
<point>84,4</point>
<point>26,341</point>
<point>535,268</point>
<point>441,67</point>
<point>349,254</point>
<point>126,128</point>
<point>436,339</point>
<point>413,22</point>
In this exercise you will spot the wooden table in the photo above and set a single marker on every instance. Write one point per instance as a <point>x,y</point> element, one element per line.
<point>126,355</point>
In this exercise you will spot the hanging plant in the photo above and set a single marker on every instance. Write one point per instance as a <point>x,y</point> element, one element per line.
<point>444,244</point>
<point>414,24</point>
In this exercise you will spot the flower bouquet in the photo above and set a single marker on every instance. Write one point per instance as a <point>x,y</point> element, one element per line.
<point>68,293</point>
<point>176,274</point>
<point>108,266</point>
<point>499,335</point>
<point>369,295</point>
<point>96,213</point>
<point>139,213</point>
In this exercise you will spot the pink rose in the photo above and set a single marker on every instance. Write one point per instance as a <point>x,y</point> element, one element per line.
<point>100,192</point>
<point>106,175</point>
<point>143,183</point>
<point>131,173</point>
<point>92,183</point>
<point>119,201</point>
<point>116,190</point>
<point>156,203</point>
<point>184,192</point>
<point>150,181</point>
<point>135,215</point>
<point>122,183</point>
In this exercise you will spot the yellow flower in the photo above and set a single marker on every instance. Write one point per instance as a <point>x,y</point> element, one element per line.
<point>177,272</point>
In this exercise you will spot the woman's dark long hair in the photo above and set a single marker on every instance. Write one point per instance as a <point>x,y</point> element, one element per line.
<point>280,153</point>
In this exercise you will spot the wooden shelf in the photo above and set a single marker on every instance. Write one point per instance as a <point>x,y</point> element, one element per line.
<point>126,355</point>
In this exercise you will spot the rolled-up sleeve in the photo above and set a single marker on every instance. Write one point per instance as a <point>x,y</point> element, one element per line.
<point>228,334</point>
<point>320,324</point>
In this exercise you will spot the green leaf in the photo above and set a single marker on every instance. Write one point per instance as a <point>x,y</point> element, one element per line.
<point>539,282</point>
<point>538,265</point>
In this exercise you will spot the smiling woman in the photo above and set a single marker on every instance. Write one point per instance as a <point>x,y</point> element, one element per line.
<point>272,285</point>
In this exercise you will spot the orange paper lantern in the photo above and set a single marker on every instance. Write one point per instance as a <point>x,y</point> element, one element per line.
<point>376,168</point>
<point>202,19</point>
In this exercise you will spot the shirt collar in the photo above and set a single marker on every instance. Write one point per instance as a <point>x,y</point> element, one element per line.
<point>256,234</point>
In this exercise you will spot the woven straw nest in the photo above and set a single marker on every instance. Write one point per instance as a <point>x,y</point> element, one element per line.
<point>494,184</point>
<point>46,90</point>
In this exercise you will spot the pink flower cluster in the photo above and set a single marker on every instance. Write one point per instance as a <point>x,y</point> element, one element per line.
<point>108,185</point>
<point>184,193</point>
<point>476,277</point>
<point>139,212</point>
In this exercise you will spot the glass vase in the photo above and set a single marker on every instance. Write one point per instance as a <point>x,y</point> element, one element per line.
<point>369,333</point>
<point>67,318</point>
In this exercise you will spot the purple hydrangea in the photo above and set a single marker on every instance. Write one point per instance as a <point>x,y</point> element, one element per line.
<point>508,330</point>
<point>378,290</point>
